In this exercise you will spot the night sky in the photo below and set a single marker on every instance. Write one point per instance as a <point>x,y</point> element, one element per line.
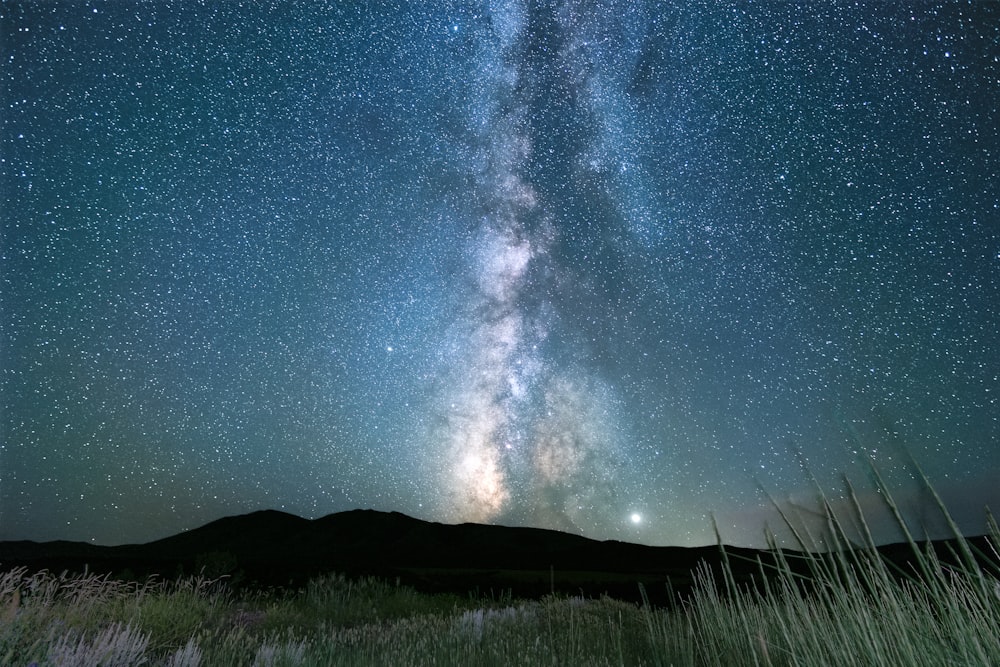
<point>609,267</point>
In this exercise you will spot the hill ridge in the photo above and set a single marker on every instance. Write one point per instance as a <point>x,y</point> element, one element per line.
<point>276,548</point>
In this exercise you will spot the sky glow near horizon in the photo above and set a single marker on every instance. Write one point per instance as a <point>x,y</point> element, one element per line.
<point>625,269</point>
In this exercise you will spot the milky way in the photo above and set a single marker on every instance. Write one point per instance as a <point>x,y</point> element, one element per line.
<point>634,270</point>
<point>522,439</point>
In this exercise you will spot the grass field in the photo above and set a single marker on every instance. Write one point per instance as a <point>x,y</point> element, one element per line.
<point>848,606</point>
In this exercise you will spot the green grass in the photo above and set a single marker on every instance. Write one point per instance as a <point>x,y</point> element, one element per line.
<point>839,606</point>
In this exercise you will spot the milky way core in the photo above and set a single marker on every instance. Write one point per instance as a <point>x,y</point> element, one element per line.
<point>520,436</point>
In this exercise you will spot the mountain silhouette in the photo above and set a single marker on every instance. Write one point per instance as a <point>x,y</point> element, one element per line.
<point>275,549</point>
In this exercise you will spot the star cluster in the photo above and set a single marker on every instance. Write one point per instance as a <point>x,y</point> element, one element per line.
<point>620,268</point>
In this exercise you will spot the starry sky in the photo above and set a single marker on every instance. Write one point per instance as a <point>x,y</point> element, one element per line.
<point>613,267</point>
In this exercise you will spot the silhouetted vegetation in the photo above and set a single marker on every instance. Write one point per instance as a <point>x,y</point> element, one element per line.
<point>849,603</point>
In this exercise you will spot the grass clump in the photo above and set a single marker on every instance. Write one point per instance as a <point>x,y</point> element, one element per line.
<point>836,602</point>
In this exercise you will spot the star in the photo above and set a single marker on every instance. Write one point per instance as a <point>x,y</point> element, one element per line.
<point>507,262</point>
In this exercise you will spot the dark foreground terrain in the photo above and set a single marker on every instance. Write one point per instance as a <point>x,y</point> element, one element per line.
<point>275,549</point>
